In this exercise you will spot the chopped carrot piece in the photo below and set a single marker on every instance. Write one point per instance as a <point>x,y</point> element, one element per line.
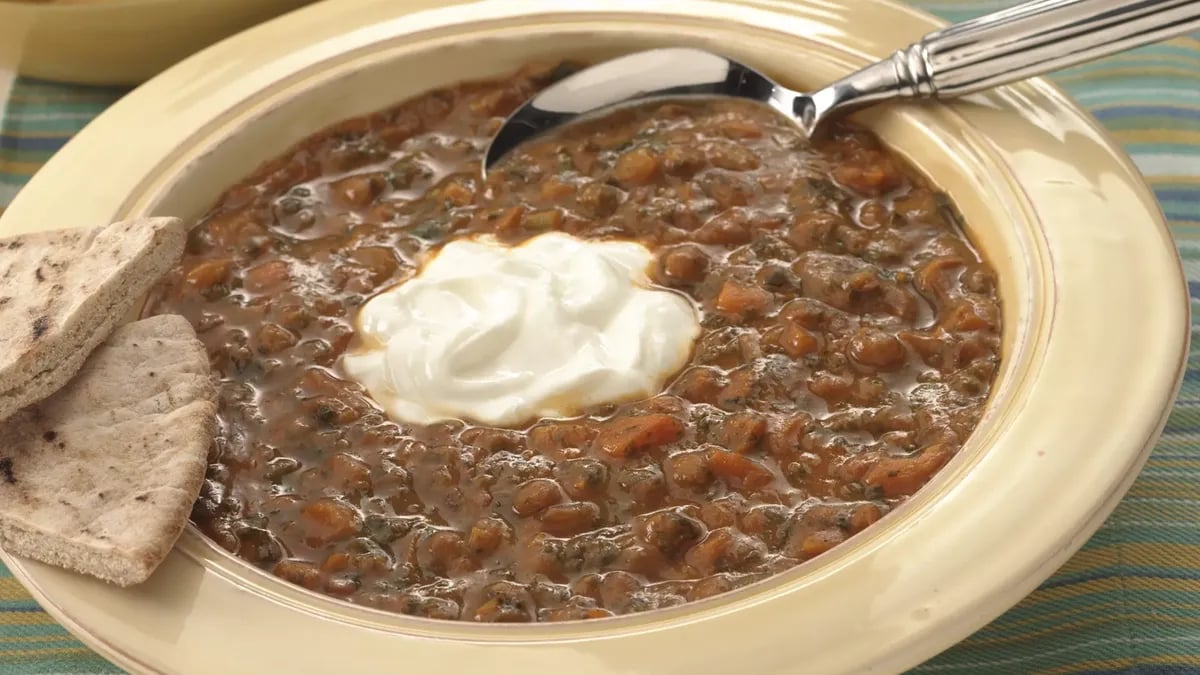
<point>548,439</point>
<point>209,273</point>
<point>636,167</point>
<point>738,470</point>
<point>902,476</point>
<point>874,176</point>
<point>794,340</point>
<point>742,299</point>
<point>819,542</point>
<point>329,520</point>
<point>298,572</point>
<point>626,435</point>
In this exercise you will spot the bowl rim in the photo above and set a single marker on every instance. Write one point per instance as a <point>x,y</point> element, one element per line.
<point>1133,455</point>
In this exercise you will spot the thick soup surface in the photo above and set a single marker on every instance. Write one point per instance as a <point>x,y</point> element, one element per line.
<point>849,337</point>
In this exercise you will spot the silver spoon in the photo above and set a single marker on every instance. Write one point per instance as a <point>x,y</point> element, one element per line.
<point>1027,40</point>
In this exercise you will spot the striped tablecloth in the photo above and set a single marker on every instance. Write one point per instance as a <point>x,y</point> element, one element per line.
<point>1128,602</point>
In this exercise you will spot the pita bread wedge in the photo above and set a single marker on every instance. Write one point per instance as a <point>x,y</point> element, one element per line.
<point>62,293</point>
<point>100,477</point>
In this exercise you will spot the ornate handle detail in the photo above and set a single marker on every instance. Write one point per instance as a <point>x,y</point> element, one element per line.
<point>1013,44</point>
<point>1035,38</point>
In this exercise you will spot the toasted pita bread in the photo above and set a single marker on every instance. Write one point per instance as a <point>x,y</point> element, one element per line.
<point>100,477</point>
<point>63,292</point>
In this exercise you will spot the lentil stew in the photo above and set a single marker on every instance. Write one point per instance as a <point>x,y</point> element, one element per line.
<point>850,339</point>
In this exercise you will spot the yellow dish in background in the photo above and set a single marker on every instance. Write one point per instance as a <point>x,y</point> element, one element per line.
<point>109,42</point>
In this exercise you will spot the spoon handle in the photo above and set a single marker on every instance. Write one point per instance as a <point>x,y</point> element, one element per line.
<point>1023,41</point>
<point>1039,37</point>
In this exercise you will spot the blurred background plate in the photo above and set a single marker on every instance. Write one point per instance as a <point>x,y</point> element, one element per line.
<point>119,41</point>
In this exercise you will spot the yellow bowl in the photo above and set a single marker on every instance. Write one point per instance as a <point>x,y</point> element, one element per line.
<point>119,41</point>
<point>1096,334</point>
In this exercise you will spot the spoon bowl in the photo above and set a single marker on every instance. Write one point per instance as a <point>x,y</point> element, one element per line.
<point>639,77</point>
<point>1027,40</point>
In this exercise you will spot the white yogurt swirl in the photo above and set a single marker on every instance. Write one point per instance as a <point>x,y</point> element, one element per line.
<point>503,335</point>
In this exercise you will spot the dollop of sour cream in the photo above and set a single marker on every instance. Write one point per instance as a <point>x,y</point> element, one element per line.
<point>502,335</point>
